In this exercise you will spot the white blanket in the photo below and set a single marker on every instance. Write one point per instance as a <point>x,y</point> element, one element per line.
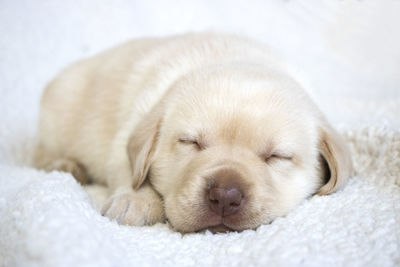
<point>346,53</point>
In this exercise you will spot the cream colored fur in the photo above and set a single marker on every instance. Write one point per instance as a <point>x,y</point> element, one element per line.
<point>132,118</point>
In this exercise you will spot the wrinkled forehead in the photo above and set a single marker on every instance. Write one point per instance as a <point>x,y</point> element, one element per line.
<point>242,112</point>
<point>236,125</point>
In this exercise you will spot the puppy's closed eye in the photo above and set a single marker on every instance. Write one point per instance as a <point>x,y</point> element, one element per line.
<point>270,157</point>
<point>192,141</point>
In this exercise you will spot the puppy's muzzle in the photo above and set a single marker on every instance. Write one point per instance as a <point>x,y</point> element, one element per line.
<point>226,193</point>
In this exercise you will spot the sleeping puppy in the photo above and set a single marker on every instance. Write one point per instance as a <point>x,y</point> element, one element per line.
<point>204,130</point>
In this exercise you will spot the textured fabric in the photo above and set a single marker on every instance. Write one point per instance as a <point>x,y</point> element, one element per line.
<point>344,52</point>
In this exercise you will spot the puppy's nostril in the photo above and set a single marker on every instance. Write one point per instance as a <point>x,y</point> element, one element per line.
<point>235,204</point>
<point>214,201</point>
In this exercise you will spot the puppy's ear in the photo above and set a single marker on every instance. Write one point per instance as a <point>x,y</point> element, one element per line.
<point>142,144</point>
<point>336,153</point>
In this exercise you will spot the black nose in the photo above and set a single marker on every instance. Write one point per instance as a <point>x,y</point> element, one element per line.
<point>225,201</point>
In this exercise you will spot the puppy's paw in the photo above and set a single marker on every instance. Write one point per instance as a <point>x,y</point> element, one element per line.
<point>138,208</point>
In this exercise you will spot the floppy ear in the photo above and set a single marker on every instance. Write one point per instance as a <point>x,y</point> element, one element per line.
<point>336,153</point>
<point>141,146</point>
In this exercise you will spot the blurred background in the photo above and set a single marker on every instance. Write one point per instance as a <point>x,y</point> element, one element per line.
<point>345,53</point>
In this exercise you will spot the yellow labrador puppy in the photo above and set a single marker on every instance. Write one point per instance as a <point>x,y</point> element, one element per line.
<point>204,130</point>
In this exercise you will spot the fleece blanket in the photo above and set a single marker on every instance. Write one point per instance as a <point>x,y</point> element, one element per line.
<point>344,52</point>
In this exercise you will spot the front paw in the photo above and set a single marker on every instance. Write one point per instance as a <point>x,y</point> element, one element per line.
<point>136,208</point>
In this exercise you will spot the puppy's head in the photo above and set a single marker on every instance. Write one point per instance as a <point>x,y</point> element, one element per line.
<point>233,148</point>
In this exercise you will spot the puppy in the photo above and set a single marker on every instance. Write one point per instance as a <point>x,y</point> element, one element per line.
<point>204,130</point>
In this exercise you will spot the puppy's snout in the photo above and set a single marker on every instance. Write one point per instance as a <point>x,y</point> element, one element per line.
<point>225,196</point>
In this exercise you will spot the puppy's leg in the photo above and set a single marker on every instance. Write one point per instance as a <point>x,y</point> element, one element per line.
<point>48,161</point>
<point>141,207</point>
<point>67,165</point>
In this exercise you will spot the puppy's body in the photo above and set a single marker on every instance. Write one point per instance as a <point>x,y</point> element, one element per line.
<point>99,101</point>
<point>185,112</point>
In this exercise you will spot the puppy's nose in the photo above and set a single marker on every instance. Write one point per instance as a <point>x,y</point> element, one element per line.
<point>225,201</point>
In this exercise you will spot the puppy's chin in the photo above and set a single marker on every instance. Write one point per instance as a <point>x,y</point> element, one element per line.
<point>220,228</point>
<point>216,224</point>
<point>223,228</point>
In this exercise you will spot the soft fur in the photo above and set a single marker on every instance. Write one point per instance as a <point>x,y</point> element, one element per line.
<point>158,120</point>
